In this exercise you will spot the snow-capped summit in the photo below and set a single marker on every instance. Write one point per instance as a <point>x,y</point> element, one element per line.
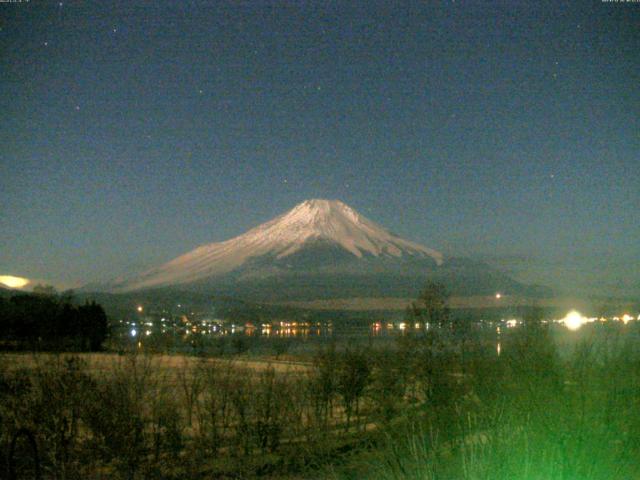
<point>329,223</point>
<point>336,222</point>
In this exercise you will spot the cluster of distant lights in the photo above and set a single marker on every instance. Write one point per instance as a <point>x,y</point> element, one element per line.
<point>189,327</point>
<point>574,319</point>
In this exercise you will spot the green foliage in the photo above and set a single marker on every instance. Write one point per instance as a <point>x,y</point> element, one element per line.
<point>420,408</point>
<point>528,413</point>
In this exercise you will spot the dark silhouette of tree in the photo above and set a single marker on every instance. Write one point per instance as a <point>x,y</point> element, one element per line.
<point>431,307</point>
<point>94,325</point>
<point>5,320</point>
<point>46,321</point>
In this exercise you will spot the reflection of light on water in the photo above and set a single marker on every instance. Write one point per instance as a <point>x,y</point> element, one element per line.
<point>498,348</point>
<point>574,320</point>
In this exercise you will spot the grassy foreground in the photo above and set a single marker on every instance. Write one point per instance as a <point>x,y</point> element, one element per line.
<point>528,414</point>
<point>430,406</point>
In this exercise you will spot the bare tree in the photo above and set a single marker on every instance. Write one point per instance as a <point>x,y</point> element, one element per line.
<point>431,308</point>
<point>353,376</point>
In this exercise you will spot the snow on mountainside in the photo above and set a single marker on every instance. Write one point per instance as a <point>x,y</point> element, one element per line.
<point>328,221</point>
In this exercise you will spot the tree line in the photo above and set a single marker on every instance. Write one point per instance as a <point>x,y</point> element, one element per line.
<point>45,320</point>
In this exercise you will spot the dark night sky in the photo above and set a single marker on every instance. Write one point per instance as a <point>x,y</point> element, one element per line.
<point>134,131</point>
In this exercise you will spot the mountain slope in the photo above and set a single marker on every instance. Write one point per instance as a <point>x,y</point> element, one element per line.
<point>320,249</point>
<point>309,233</point>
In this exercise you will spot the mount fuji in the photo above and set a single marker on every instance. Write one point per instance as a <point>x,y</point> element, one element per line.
<point>319,249</point>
